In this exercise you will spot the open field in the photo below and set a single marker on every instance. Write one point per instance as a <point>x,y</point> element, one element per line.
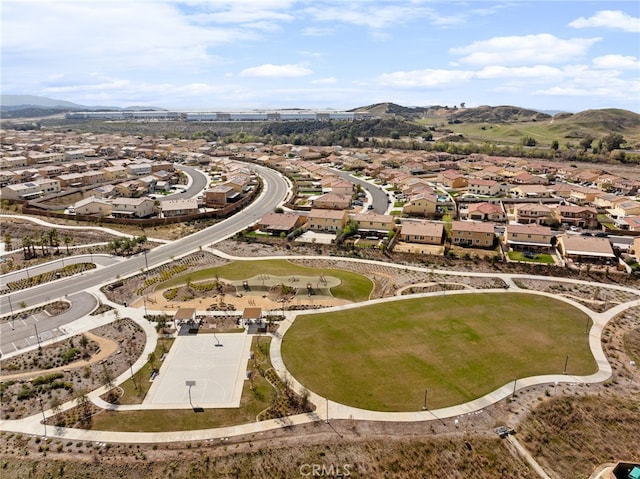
<point>353,286</point>
<point>565,130</point>
<point>460,347</point>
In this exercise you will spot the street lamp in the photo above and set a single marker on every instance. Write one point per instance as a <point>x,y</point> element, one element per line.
<point>146,262</point>
<point>37,335</point>
<point>566,361</point>
<point>13,319</point>
<point>133,379</point>
<point>189,384</point>
<point>424,407</point>
<point>44,418</point>
<point>513,394</point>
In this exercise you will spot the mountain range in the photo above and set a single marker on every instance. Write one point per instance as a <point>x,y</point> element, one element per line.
<point>23,102</point>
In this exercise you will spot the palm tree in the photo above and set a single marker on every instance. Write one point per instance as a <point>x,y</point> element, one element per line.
<point>67,240</point>
<point>27,244</point>
<point>54,240</point>
<point>7,241</point>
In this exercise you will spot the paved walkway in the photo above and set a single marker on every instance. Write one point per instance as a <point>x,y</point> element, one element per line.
<point>325,408</point>
<point>100,260</point>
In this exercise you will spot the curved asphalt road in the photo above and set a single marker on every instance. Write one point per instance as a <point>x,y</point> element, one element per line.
<point>198,183</point>
<point>274,193</point>
<point>21,333</point>
<point>98,259</point>
<point>378,195</point>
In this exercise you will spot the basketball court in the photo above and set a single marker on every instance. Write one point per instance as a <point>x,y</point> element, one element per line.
<point>202,371</point>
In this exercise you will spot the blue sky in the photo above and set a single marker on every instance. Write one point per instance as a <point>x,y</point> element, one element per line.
<point>242,54</point>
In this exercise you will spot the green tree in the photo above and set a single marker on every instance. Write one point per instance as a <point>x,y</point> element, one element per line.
<point>586,142</point>
<point>528,141</point>
<point>612,141</point>
<point>555,144</point>
<point>447,221</point>
<point>67,242</point>
<point>7,241</point>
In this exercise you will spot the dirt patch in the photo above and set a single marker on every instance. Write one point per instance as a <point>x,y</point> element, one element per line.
<point>111,348</point>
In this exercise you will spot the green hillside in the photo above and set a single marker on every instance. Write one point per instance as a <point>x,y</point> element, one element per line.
<point>565,128</point>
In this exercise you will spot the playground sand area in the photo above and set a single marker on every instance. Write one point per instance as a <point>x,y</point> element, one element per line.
<point>265,291</point>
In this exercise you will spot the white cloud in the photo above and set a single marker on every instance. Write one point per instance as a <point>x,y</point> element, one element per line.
<point>242,12</point>
<point>269,70</point>
<point>542,72</point>
<point>614,19</point>
<point>523,50</point>
<point>317,32</point>
<point>424,78</point>
<point>576,91</point>
<point>325,81</point>
<point>616,62</point>
<point>380,16</point>
<point>105,36</point>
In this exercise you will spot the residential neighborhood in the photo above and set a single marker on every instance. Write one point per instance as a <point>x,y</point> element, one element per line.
<point>478,202</point>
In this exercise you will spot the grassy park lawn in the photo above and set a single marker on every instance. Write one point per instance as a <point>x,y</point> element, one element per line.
<point>253,401</point>
<point>538,258</point>
<point>353,286</point>
<point>460,347</point>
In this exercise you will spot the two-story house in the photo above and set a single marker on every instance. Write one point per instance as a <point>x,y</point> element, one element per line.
<point>531,237</point>
<point>537,213</point>
<point>579,216</point>
<point>132,207</point>
<point>478,186</point>
<point>472,233</point>
<point>323,220</point>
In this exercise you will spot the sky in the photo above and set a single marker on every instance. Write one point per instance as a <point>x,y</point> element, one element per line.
<point>340,54</point>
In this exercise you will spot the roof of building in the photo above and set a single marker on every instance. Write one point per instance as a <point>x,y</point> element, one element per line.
<point>482,182</point>
<point>532,207</point>
<point>334,197</point>
<point>474,226</point>
<point>252,313</point>
<point>575,209</point>
<point>528,229</point>
<point>185,313</point>
<point>279,221</point>
<point>91,199</point>
<point>587,245</point>
<point>326,214</point>
<point>131,201</point>
<point>179,204</point>
<point>422,228</point>
<point>375,217</point>
<point>486,208</point>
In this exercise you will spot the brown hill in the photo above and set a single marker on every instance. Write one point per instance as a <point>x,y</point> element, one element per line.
<point>497,114</point>
<point>611,119</point>
<point>392,110</point>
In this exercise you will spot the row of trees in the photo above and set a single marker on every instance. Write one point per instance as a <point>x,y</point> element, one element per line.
<point>127,246</point>
<point>46,241</point>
